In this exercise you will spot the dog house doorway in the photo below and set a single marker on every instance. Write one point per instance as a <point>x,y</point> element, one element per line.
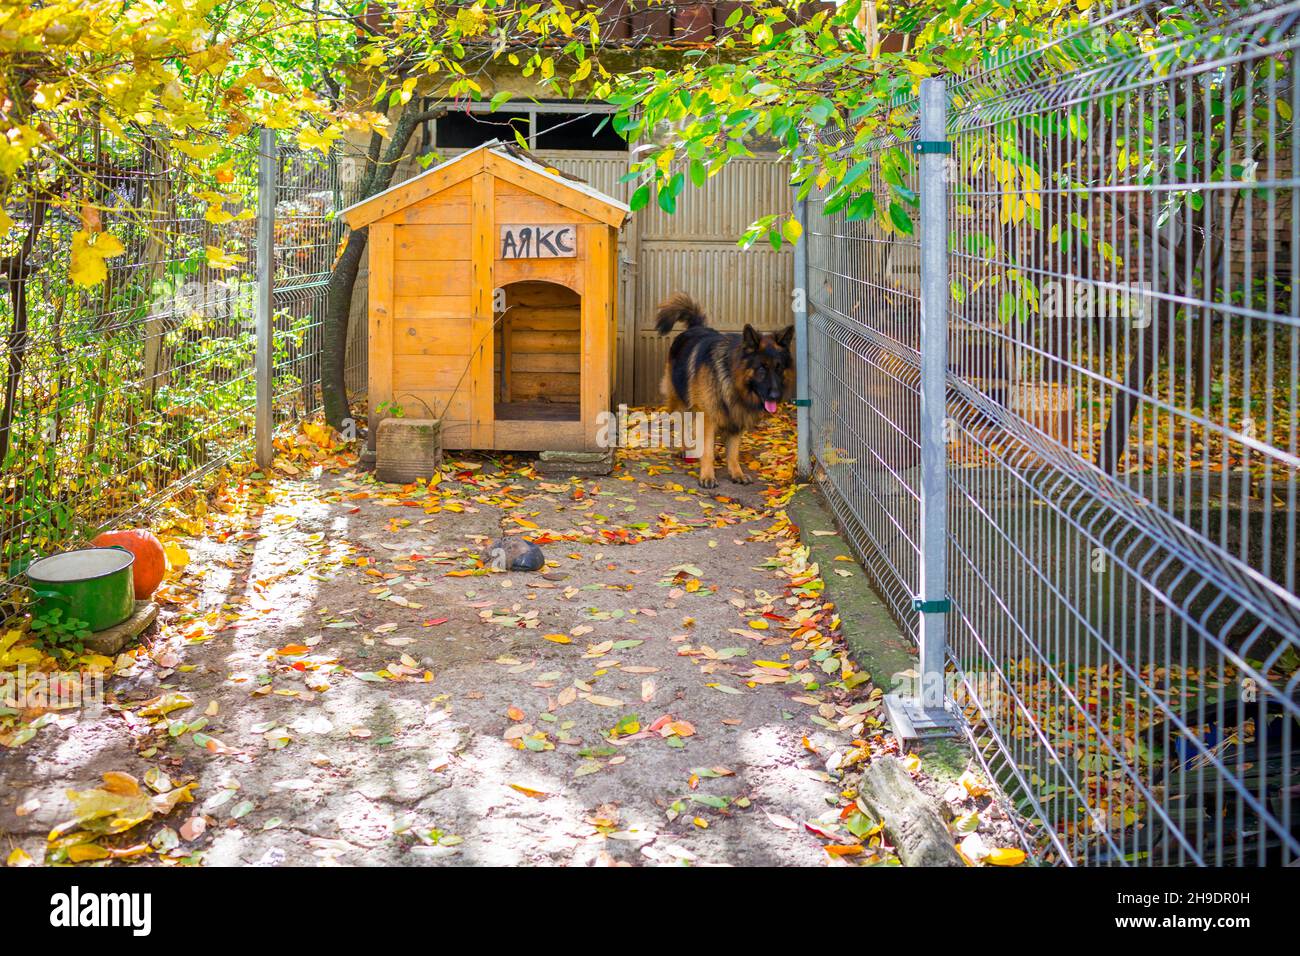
<point>537,358</point>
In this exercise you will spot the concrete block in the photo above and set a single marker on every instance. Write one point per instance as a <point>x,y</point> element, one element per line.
<point>408,449</point>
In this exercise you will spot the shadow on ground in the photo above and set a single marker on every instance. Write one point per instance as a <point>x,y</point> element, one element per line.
<point>347,700</point>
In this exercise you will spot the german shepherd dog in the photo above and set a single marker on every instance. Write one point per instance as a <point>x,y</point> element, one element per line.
<point>731,378</point>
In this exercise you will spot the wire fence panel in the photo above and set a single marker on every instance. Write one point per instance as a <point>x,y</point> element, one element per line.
<point>309,190</point>
<point>864,328</point>
<point>118,395</point>
<point>1124,360</point>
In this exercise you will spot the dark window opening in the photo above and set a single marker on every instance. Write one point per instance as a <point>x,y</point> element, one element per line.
<point>462,130</point>
<point>594,131</point>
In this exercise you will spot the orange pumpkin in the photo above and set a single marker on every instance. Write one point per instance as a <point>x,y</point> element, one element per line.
<point>150,557</point>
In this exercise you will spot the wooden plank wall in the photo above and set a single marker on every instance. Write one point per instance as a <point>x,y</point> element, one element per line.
<point>432,308</point>
<point>540,333</point>
<point>482,288</point>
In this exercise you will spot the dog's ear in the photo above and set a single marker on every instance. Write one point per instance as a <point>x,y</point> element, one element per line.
<point>785,337</point>
<point>751,338</point>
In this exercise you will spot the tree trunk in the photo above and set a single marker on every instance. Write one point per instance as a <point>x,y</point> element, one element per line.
<point>334,347</point>
<point>16,269</point>
<point>157,320</point>
<point>17,349</point>
<point>338,311</point>
<point>1124,408</point>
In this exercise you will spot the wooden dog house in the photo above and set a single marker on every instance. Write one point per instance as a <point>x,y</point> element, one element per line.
<point>493,288</point>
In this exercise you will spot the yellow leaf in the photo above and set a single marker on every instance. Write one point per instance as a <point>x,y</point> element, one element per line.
<point>87,851</point>
<point>165,704</point>
<point>119,811</point>
<point>121,783</point>
<point>196,150</point>
<point>89,250</point>
<point>530,792</point>
<point>311,138</point>
<point>218,216</point>
<point>20,655</point>
<point>1005,856</point>
<point>558,638</point>
<point>19,857</point>
<point>218,258</point>
<point>108,245</point>
<point>110,122</point>
<point>177,557</point>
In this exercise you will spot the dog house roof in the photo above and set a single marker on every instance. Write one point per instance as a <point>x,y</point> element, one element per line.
<point>494,157</point>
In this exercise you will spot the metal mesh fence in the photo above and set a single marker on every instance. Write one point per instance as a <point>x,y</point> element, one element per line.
<point>1124,360</point>
<point>118,395</point>
<point>309,190</point>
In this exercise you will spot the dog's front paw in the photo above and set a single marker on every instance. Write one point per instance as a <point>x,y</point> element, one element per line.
<point>708,481</point>
<point>741,478</point>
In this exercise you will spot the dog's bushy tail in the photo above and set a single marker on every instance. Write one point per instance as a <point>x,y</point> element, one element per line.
<point>678,307</point>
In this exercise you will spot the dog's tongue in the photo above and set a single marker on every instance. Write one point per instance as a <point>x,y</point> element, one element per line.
<point>770,406</point>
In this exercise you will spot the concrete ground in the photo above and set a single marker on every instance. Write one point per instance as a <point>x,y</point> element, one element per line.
<point>338,680</point>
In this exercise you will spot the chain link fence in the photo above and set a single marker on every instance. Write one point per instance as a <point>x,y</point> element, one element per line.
<point>1120,439</point>
<point>119,395</point>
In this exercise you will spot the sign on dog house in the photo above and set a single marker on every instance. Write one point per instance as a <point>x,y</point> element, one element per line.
<point>493,301</point>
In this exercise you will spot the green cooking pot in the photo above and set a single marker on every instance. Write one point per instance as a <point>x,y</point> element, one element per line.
<point>94,585</point>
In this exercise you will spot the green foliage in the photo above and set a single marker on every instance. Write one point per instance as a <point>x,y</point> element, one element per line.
<point>52,629</point>
<point>826,95</point>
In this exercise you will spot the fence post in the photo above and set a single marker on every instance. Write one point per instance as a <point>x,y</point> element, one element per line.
<point>925,714</point>
<point>262,360</point>
<point>801,370</point>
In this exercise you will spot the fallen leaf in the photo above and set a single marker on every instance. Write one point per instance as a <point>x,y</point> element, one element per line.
<point>1005,856</point>
<point>530,792</point>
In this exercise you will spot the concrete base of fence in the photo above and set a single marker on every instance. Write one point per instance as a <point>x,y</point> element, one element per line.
<point>875,640</point>
<point>910,817</point>
<point>868,628</point>
<point>112,640</point>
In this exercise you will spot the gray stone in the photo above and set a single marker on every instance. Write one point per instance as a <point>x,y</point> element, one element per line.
<point>575,462</point>
<point>910,817</point>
